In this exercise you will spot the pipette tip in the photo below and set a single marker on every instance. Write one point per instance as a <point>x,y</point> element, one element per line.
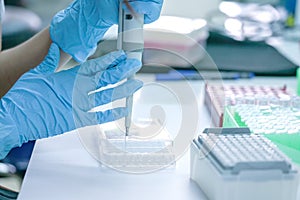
<point>126,131</point>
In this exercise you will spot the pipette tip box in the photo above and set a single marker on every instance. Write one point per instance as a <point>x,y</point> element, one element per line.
<point>232,164</point>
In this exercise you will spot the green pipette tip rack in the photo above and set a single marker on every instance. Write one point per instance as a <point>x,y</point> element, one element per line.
<point>298,81</point>
<point>287,143</point>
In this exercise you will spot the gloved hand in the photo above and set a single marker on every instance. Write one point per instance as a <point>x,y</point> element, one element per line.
<point>79,28</point>
<point>43,103</point>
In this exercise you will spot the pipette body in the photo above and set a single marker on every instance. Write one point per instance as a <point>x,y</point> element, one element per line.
<point>131,40</point>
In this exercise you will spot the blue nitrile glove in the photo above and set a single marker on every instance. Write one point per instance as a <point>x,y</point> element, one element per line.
<point>79,28</point>
<point>43,103</point>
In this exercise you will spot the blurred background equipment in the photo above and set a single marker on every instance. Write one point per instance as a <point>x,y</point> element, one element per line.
<point>240,35</point>
<point>247,21</point>
<point>234,43</point>
<point>19,24</point>
<point>24,18</point>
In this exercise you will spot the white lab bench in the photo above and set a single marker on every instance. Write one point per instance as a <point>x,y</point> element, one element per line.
<point>61,168</point>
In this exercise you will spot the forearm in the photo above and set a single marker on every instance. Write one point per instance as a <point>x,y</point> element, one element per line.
<point>16,61</point>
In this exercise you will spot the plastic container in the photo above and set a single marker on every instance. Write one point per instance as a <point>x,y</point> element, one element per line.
<point>175,41</point>
<point>145,150</point>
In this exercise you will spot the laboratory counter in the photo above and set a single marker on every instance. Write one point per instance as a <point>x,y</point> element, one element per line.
<point>62,167</point>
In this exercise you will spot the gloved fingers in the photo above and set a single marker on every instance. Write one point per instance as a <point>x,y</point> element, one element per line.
<point>124,90</point>
<point>151,9</point>
<point>115,74</point>
<point>50,62</point>
<point>93,66</point>
<point>111,115</point>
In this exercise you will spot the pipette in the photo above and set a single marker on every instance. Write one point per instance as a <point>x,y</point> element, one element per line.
<point>131,40</point>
